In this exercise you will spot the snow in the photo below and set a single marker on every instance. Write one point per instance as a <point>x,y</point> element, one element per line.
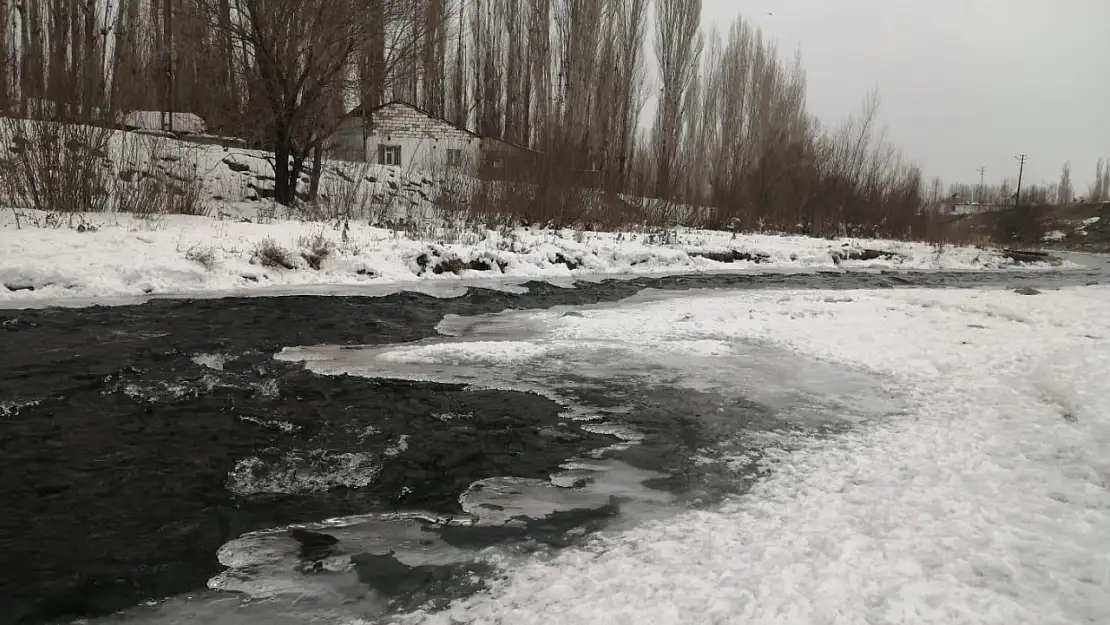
<point>1055,235</point>
<point>122,256</point>
<point>81,258</point>
<point>986,503</point>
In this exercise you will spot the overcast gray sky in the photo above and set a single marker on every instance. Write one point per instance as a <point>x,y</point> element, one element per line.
<point>964,83</point>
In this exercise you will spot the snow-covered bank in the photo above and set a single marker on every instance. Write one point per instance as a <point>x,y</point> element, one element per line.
<point>116,255</point>
<point>986,504</point>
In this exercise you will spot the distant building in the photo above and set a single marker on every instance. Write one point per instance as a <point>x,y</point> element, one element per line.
<point>402,135</point>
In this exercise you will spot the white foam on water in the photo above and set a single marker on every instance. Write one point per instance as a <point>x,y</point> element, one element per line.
<point>299,472</point>
<point>215,362</point>
<point>273,424</point>
<point>12,408</point>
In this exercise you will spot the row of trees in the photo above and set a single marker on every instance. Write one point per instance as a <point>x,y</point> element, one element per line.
<point>1064,192</point>
<point>1059,193</point>
<point>722,123</point>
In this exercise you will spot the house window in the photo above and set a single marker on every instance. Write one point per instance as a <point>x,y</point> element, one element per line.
<point>389,155</point>
<point>454,158</point>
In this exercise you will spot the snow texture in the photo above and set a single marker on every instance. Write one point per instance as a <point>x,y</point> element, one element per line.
<point>987,503</point>
<point>122,256</point>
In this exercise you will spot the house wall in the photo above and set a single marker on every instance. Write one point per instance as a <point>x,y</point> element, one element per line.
<point>424,140</point>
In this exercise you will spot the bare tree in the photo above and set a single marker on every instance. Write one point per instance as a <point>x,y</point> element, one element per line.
<point>298,52</point>
<point>1101,187</point>
<point>539,68</point>
<point>1105,183</point>
<point>6,56</point>
<point>1064,193</point>
<point>678,46</point>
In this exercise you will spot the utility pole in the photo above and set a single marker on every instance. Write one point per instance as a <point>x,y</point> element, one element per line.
<point>982,172</point>
<point>1021,170</point>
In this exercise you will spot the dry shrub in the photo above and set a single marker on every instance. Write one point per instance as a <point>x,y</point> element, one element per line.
<point>316,249</point>
<point>269,254</point>
<point>347,193</point>
<point>157,177</point>
<point>55,167</point>
<point>203,256</point>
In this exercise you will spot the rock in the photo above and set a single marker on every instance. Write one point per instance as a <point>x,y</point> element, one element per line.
<point>236,166</point>
<point>839,256</point>
<point>1027,290</point>
<point>1025,257</point>
<point>19,287</point>
<point>732,256</point>
<point>560,259</point>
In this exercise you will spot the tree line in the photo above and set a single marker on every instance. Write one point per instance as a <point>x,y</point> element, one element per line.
<point>1061,192</point>
<point>708,119</point>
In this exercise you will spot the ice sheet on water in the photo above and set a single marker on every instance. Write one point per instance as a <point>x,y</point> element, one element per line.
<point>505,500</point>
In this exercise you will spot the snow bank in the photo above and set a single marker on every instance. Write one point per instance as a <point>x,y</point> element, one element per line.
<point>988,503</point>
<point>116,255</point>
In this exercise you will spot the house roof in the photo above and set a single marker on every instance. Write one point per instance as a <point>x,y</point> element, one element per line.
<point>359,112</point>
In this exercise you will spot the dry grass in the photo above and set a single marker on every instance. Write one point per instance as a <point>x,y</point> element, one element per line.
<point>269,254</point>
<point>316,249</point>
<point>54,167</point>
<point>203,256</point>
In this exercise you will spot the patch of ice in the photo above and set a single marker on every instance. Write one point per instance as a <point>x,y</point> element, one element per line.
<point>398,448</point>
<point>12,408</point>
<point>267,565</point>
<point>367,432</point>
<point>273,424</point>
<point>302,472</point>
<point>581,486</point>
<point>212,361</point>
<point>1055,235</point>
<point>488,351</point>
<point>447,417</point>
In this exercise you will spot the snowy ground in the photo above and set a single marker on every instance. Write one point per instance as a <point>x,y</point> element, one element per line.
<point>987,504</point>
<point>91,257</point>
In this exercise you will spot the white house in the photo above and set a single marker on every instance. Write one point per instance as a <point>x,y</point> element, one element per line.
<point>405,136</point>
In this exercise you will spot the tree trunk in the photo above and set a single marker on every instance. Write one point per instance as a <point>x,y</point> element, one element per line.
<point>284,192</point>
<point>5,62</point>
<point>317,168</point>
